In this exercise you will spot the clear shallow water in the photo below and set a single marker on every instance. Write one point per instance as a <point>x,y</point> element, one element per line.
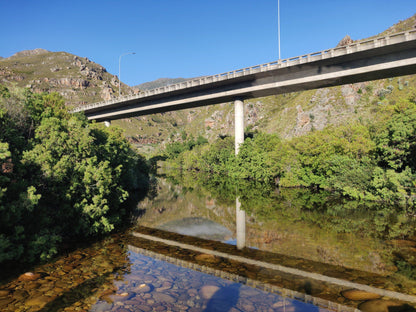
<point>116,275</point>
<point>159,285</point>
<point>294,259</point>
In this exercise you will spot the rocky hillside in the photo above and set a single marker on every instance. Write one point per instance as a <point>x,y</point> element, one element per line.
<point>78,79</point>
<point>81,81</point>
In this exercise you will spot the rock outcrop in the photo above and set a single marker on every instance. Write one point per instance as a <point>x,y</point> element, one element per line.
<point>76,78</point>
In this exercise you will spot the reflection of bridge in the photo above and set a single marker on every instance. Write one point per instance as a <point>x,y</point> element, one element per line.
<point>377,58</point>
<point>269,271</point>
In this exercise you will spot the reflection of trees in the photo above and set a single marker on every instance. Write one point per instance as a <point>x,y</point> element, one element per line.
<point>319,208</point>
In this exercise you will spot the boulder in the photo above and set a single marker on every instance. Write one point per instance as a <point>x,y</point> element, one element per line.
<point>208,291</point>
<point>358,295</point>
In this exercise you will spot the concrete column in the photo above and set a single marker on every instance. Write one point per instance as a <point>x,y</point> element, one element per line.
<point>240,216</point>
<point>107,123</point>
<point>239,124</point>
<point>239,139</point>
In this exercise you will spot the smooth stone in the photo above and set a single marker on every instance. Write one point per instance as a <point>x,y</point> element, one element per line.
<point>357,295</point>
<point>145,308</point>
<point>143,288</point>
<point>38,301</point>
<point>4,293</point>
<point>5,301</point>
<point>20,294</point>
<point>192,292</point>
<point>121,297</point>
<point>207,258</point>
<point>380,305</point>
<point>160,309</point>
<point>162,289</point>
<point>208,291</point>
<point>160,297</point>
<point>29,276</point>
<point>249,308</point>
<point>30,286</point>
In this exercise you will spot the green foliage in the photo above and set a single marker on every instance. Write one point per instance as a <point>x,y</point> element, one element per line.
<point>4,92</point>
<point>371,162</point>
<point>396,139</point>
<point>174,149</point>
<point>69,179</point>
<point>258,159</point>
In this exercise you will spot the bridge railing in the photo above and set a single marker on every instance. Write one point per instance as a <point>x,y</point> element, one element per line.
<point>311,57</point>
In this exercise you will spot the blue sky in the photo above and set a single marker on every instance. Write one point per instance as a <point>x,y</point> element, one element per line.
<point>184,38</point>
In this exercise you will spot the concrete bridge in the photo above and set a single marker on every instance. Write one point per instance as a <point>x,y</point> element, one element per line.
<point>377,58</point>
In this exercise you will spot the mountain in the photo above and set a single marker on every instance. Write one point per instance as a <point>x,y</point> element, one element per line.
<point>78,79</point>
<point>161,82</point>
<point>81,81</point>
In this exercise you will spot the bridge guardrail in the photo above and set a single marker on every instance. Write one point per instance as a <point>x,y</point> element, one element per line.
<point>315,56</point>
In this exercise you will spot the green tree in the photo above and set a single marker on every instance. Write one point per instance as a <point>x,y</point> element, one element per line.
<point>69,179</point>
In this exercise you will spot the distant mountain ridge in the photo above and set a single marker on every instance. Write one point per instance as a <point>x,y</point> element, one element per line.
<point>37,51</point>
<point>161,82</point>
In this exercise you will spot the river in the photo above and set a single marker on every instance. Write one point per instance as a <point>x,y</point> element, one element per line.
<point>202,246</point>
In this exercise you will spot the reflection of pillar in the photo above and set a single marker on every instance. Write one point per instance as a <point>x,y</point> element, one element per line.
<point>240,216</point>
<point>107,123</point>
<point>239,124</point>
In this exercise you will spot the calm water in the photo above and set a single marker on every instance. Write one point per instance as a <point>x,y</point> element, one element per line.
<point>234,248</point>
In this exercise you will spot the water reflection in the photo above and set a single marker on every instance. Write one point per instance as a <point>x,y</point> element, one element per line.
<point>199,227</point>
<point>318,232</point>
<point>214,282</point>
<point>240,217</point>
<point>303,252</point>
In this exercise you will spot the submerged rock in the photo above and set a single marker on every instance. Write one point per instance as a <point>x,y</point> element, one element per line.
<point>357,295</point>
<point>380,305</point>
<point>208,291</point>
<point>207,258</point>
<point>38,301</point>
<point>4,293</point>
<point>29,276</point>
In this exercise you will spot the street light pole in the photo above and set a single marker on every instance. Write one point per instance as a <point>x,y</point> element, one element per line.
<point>278,24</point>
<point>119,71</point>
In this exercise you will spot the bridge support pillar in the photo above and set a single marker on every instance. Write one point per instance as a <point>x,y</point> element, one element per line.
<point>239,124</point>
<point>107,123</point>
<point>240,215</point>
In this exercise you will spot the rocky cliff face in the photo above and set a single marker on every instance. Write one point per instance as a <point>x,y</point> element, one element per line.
<point>78,79</point>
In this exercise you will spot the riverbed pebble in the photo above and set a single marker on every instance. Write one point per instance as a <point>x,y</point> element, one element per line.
<point>29,276</point>
<point>380,305</point>
<point>358,295</point>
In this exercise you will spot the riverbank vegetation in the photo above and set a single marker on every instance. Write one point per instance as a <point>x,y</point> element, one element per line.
<point>61,178</point>
<point>365,160</point>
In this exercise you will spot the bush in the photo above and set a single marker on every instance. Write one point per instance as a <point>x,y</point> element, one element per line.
<point>68,179</point>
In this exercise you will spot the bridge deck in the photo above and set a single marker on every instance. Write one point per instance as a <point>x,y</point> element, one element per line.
<point>360,61</point>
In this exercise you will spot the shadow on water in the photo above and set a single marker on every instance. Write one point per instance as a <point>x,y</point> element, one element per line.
<point>224,299</point>
<point>85,290</point>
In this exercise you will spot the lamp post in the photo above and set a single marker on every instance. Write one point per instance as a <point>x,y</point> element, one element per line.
<point>119,71</point>
<point>278,24</point>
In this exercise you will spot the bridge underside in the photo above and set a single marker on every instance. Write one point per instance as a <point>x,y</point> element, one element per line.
<point>388,61</point>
